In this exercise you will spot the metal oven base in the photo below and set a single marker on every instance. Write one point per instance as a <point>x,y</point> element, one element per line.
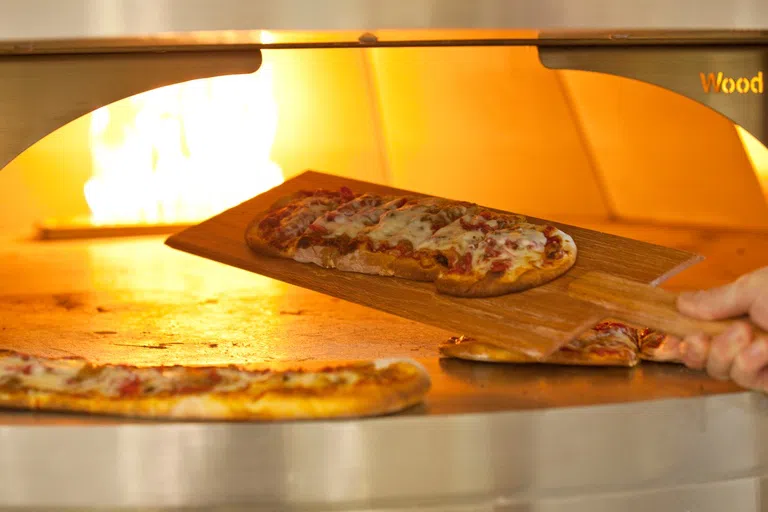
<point>489,437</point>
<point>702,454</point>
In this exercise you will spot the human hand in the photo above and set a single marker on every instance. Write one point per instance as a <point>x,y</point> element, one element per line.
<point>737,353</point>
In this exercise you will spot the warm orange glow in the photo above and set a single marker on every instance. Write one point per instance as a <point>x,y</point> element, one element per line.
<point>185,152</point>
<point>758,155</point>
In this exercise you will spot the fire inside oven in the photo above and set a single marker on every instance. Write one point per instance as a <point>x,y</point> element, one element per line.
<point>488,125</point>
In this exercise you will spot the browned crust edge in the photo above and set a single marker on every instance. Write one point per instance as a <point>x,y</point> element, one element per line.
<point>363,261</point>
<point>261,246</point>
<point>385,264</point>
<point>414,269</point>
<point>321,255</point>
<point>659,354</point>
<point>258,244</point>
<point>366,399</point>
<point>494,284</point>
<point>476,351</point>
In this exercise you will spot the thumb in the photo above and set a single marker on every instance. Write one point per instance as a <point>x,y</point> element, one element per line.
<point>727,301</point>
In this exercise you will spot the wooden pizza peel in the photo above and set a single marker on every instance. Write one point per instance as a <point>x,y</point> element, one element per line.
<point>613,277</point>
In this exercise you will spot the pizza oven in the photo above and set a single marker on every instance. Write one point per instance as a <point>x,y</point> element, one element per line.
<point>122,123</point>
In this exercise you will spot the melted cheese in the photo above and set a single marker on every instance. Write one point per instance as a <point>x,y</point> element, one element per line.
<point>31,373</point>
<point>521,247</point>
<point>110,381</point>
<point>76,377</point>
<point>294,380</point>
<point>306,211</point>
<point>354,217</point>
<point>466,235</point>
<point>454,236</point>
<point>415,222</point>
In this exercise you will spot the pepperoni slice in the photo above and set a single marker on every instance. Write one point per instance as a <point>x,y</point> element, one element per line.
<point>464,264</point>
<point>499,266</point>
<point>347,194</point>
<point>131,387</point>
<point>318,229</point>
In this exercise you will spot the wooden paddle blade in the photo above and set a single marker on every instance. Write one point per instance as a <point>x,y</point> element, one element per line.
<point>536,322</point>
<point>643,305</point>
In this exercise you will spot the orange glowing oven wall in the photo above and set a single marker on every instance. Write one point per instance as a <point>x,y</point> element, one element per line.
<point>489,125</point>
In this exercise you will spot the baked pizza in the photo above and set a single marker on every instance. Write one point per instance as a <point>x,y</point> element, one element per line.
<point>211,393</point>
<point>609,343</point>
<point>655,346</point>
<point>466,250</point>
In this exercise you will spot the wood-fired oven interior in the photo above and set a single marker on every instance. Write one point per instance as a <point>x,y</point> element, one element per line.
<point>489,125</point>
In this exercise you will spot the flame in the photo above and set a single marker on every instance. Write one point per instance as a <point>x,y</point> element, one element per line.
<point>182,153</point>
<point>757,154</point>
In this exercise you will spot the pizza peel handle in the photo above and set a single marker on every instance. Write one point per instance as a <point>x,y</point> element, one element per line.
<point>642,304</point>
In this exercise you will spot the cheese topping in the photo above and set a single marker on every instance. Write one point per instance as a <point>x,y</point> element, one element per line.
<point>462,238</point>
<point>352,218</point>
<point>283,225</point>
<point>455,236</point>
<point>415,222</point>
<point>522,245</point>
<point>21,372</point>
<point>470,240</point>
<point>308,210</point>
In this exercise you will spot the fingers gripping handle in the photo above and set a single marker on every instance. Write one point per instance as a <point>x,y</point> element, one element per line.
<point>643,305</point>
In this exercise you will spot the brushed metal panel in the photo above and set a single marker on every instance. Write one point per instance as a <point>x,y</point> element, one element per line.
<point>41,93</point>
<point>538,459</point>
<point>548,448</point>
<point>46,19</point>
<point>679,69</point>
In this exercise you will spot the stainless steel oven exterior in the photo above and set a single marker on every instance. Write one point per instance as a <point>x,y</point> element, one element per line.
<point>697,454</point>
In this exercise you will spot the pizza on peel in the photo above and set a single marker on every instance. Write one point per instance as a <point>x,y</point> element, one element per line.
<point>465,249</point>
<point>609,343</point>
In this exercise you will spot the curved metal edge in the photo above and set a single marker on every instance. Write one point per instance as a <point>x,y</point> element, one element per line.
<point>67,19</point>
<point>510,457</point>
<point>197,42</point>
<point>694,72</point>
<point>30,108</point>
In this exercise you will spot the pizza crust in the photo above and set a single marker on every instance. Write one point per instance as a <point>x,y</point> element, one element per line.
<point>398,384</point>
<point>310,205</point>
<point>654,346</point>
<point>365,400</point>
<point>645,344</point>
<point>609,343</point>
<point>476,351</point>
<point>364,262</point>
<point>414,269</point>
<point>496,283</point>
<point>322,256</point>
<point>386,264</point>
<point>499,283</point>
<point>260,245</point>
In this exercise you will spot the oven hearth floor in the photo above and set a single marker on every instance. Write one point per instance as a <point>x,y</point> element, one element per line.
<point>136,301</point>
